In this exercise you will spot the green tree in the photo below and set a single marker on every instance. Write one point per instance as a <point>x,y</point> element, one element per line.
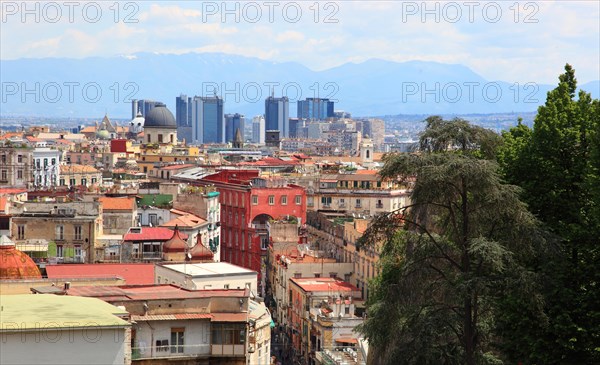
<point>449,256</point>
<point>556,165</point>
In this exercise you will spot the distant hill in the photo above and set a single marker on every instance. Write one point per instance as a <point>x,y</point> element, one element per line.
<point>374,87</point>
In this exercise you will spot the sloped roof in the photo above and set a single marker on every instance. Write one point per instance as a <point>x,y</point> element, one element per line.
<point>114,203</point>
<point>151,234</point>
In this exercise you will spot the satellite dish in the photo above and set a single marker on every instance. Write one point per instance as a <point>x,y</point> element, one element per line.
<point>189,256</point>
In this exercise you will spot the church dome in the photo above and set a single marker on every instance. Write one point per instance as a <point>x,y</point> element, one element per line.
<point>160,117</point>
<point>200,253</point>
<point>15,264</point>
<point>175,244</point>
<point>103,134</point>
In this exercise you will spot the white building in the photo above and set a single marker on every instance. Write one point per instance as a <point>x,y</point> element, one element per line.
<point>46,167</point>
<point>258,130</point>
<point>211,275</point>
<point>59,329</point>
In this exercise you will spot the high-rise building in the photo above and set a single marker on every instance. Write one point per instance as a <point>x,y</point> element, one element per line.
<point>375,129</point>
<point>183,116</point>
<point>296,128</point>
<point>143,105</point>
<point>277,117</point>
<point>183,111</point>
<point>315,108</point>
<point>208,123</point>
<point>258,129</point>
<point>232,123</point>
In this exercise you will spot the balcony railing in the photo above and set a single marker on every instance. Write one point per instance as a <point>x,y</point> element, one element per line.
<point>379,206</point>
<point>146,255</point>
<point>166,351</point>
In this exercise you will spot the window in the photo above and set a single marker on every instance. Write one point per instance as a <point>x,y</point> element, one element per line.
<point>284,200</point>
<point>271,199</point>
<point>228,333</point>
<point>78,231</point>
<point>84,181</point>
<point>298,199</point>
<point>153,220</point>
<point>297,275</point>
<point>326,201</point>
<point>310,201</point>
<point>45,162</point>
<point>264,243</point>
<point>19,158</point>
<point>4,159</point>
<point>177,340</point>
<point>358,203</point>
<point>62,182</point>
<point>19,174</point>
<point>21,232</point>
<point>317,275</point>
<point>149,139</point>
<point>60,232</point>
<point>72,182</point>
<point>4,175</point>
<point>162,345</point>
<point>160,138</point>
<point>379,203</point>
<point>347,309</point>
<point>226,286</point>
<point>59,251</point>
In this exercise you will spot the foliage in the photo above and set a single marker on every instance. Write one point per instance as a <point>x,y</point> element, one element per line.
<point>557,165</point>
<point>447,258</point>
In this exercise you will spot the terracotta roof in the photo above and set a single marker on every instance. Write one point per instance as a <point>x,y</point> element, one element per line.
<point>366,172</point>
<point>4,191</point>
<point>112,203</point>
<point>186,220</point>
<point>88,129</point>
<point>134,274</point>
<point>3,202</point>
<point>15,264</point>
<point>175,243</point>
<point>78,169</point>
<point>200,252</point>
<point>32,139</point>
<point>151,234</point>
<point>11,135</point>
<point>323,284</point>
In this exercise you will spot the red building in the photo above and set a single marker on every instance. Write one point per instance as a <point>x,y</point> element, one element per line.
<point>248,203</point>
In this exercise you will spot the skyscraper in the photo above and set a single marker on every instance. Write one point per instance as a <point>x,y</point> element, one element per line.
<point>315,109</point>
<point>277,117</point>
<point>258,129</point>
<point>232,123</point>
<point>183,110</point>
<point>183,116</point>
<point>208,123</point>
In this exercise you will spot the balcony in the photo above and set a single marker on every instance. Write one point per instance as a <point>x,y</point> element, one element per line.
<point>379,205</point>
<point>147,256</point>
<point>170,352</point>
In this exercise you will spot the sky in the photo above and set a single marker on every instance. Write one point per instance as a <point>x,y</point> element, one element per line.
<point>513,41</point>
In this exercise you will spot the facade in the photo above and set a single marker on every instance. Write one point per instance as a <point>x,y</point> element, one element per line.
<point>72,330</point>
<point>258,130</point>
<point>209,275</point>
<point>119,214</point>
<point>375,129</point>
<point>277,116</point>
<point>179,326</point>
<point>203,202</point>
<point>46,170</point>
<point>248,202</point>
<point>317,305</point>
<point>16,166</point>
<point>71,229</point>
<point>315,109</point>
<point>208,120</point>
<point>233,122</point>
<point>79,175</point>
<point>295,261</point>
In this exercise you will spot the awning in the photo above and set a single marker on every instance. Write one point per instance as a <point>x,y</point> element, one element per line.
<point>171,317</point>
<point>346,340</point>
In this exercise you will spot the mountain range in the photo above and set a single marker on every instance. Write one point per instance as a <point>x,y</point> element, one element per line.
<point>91,87</point>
